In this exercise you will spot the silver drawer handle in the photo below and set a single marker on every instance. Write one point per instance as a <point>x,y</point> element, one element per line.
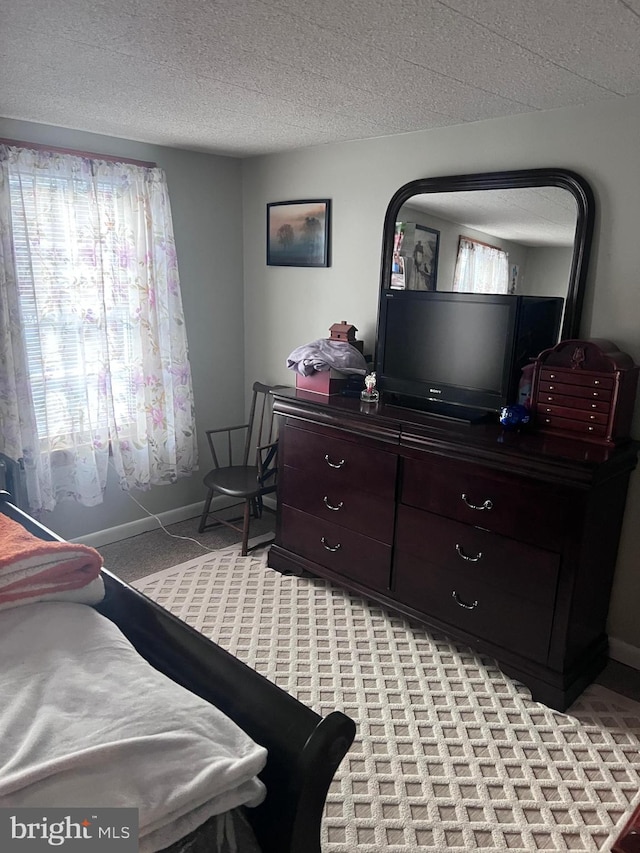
<point>333,464</point>
<point>461,603</point>
<point>329,506</point>
<point>464,556</point>
<point>330,547</point>
<point>486,505</point>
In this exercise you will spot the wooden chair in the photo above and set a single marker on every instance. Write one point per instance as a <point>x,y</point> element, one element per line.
<point>247,477</point>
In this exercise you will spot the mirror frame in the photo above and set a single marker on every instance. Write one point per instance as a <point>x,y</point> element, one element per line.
<point>518,179</point>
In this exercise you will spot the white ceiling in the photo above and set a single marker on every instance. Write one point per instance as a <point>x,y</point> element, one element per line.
<point>246,77</point>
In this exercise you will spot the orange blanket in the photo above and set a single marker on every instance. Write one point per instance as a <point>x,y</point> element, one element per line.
<point>33,569</point>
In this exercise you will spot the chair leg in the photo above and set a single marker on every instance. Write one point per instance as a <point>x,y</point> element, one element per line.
<point>245,527</point>
<point>259,506</point>
<point>205,511</point>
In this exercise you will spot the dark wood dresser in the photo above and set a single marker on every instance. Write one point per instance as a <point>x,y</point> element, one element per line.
<point>504,540</point>
<point>629,839</point>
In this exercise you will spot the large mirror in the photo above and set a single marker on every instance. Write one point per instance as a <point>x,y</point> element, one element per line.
<point>525,232</point>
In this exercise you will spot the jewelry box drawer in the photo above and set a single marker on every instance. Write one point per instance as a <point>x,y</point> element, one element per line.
<point>356,557</point>
<point>512,505</point>
<point>470,553</point>
<point>570,425</point>
<point>338,460</point>
<point>575,414</point>
<point>470,605</point>
<point>587,404</point>
<point>338,502</point>
<point>575,390</point>
<point>578,379</point>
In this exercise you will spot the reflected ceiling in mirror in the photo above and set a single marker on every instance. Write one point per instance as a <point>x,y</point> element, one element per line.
<point>534,216</point>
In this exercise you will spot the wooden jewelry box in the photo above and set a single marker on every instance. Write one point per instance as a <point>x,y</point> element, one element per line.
<point>585,389</point>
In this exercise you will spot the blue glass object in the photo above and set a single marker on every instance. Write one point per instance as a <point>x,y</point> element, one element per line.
<point>512,417</point>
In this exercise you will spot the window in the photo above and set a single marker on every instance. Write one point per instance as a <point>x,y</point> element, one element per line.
<point>64,313</point>
<point>481,268</point>
<point>101,321</point>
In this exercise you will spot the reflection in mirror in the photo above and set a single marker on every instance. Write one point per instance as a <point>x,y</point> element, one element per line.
<point>525,233</point>
<point>489,241</point>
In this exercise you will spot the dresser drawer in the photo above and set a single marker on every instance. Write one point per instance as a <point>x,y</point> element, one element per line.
<point>470,553</point>
<point>350,554</point>
<point>514,506</point>
<point>470,605</point>
<point>337,501</point>
<point>339,461</point>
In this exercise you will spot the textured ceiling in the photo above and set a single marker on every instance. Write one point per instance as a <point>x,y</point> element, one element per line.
<point>246,77</point>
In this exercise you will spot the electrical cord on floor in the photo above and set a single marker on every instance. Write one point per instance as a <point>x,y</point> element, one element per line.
<point>173,535</point>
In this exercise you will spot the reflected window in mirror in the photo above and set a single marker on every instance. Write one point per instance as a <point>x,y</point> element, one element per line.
<point>480,268</point>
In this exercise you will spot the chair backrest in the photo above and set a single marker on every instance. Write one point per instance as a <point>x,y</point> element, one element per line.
<point>262,436</point>
<point>262,430</point>
<point>253,443</point>
<point>259,420</point>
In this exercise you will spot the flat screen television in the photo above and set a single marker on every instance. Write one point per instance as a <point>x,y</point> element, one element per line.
<point>460,355</point>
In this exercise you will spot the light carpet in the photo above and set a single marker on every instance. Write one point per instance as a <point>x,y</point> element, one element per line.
<point>450,754</point>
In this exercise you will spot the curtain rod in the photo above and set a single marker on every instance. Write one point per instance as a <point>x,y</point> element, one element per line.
<point>479,242</point>
<point>89,154</point>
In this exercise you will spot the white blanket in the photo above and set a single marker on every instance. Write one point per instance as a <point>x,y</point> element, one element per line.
<point>85,721</point>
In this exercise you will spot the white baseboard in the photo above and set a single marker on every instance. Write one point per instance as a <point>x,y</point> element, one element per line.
<point>144,525</point>
<point>624,652</point>
<point>140,525</point>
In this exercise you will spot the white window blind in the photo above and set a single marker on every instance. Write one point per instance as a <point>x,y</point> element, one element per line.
<point>57,240</point>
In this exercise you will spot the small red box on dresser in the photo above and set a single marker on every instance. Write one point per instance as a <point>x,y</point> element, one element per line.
<point>325,382</point>
<point>585,389</point>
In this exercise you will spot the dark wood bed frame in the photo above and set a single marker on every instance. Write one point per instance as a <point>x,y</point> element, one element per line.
<point>304,749</point>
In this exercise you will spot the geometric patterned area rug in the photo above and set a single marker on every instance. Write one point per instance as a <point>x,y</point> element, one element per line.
<point>450,754</point>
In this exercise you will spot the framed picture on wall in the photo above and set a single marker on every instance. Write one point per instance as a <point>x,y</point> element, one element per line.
<point>298,233</point>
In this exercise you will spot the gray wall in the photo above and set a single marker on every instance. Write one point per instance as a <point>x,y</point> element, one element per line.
<point>206,206</point>
<point>546,271</point>
<point>285,307</point>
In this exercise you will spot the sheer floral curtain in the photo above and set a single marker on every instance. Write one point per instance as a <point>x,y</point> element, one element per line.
<point>481,268</point>
<point>94,364</point>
